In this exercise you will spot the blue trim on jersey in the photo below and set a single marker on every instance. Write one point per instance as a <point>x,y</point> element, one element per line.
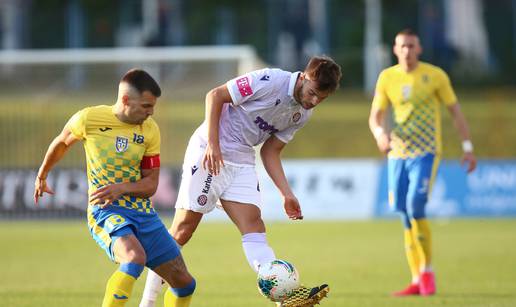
<point>409,186</point>
<point>186,291</point>
<point>131,268</point>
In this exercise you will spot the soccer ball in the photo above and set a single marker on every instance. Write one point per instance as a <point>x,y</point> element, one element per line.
<point>277,279</point>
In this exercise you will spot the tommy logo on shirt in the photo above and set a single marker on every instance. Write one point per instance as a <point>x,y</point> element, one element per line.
<point>244,87</point>
<point>265,126</point>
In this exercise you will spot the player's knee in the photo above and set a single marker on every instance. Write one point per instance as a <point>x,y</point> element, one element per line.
<point>182,234</point>
<point>136,256</point>
<point>418,214</point>
<point>185,290</point>
<point>132,269</point>
<point>405,218</point>
<point>252,225</point>
<point>417,206</point>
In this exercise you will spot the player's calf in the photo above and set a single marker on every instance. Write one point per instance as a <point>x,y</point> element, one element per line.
<point>120,285</point>
<point>180,297</point>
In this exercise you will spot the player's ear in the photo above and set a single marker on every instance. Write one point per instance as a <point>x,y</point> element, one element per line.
<point>125,99</point>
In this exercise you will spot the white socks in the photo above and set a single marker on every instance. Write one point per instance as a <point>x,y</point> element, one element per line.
<point>153,287</point>
<point>256,249</point>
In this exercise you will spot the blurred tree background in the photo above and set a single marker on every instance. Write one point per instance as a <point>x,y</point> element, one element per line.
<point>284,32</point>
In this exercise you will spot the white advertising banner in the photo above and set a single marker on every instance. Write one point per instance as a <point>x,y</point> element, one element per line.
<point>326,190</point>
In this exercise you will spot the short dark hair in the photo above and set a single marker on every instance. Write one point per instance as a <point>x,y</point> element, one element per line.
<point>407,31</point>
<point>141,81</point>
<point>324,71</point>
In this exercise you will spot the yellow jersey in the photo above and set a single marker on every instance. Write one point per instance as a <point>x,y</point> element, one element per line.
<point>416,99</point>
<point>114,150</point>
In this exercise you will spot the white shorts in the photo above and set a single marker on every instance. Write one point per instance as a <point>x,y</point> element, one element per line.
<point>200,191</point>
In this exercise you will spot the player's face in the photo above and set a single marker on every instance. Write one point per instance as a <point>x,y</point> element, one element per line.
<point>140,107</point>
<point>407,49</point>
<point>307,93</point>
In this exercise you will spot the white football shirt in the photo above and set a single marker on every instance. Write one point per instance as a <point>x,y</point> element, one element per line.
<point>263,105</point>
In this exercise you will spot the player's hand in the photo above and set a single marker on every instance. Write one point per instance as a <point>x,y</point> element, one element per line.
<point>292,207</point>
<point>213,160</point>
<point>384,143</point>
<point>106,195</point>
<point>470,159</point>
<point>40,187</point>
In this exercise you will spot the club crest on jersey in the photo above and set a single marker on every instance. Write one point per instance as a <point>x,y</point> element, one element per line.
<point>121,144</point>
<point>296,117</point>
<point>406,91</point>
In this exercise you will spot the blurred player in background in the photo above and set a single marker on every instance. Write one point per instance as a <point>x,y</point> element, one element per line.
<point>416,91</point>
<point>262,107</point>
<point>122,144</point>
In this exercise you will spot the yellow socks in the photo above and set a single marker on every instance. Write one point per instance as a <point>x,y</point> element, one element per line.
<point>412,254</point>
<point>179,297</point>
<point>175,301</point>
<point>120,285</point>
<point>423,238</point>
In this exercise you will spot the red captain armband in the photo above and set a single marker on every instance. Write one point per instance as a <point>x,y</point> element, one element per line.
<point>149,162</point>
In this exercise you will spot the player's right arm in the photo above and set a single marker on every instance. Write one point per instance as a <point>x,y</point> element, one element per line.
<point>377,116</point>
<point>215,99</point>
<point>376,120</point>
<point>55,152</point>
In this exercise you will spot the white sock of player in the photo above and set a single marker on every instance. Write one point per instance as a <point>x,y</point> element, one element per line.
<point>153,287</point>
<point>256,249</point>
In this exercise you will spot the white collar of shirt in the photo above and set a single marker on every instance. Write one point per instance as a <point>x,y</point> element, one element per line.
<point>292,83</point>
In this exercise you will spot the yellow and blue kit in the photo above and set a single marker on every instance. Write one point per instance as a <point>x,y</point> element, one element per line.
<point>416,98</point>
<point>114,153</point>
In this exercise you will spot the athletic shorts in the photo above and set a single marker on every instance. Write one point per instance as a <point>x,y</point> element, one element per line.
<point>410,183</point>
<point>200,191</point>
<point>112,222</point>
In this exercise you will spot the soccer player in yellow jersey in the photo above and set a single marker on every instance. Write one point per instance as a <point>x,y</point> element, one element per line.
<point>416,91</point>
<point>122,144</point>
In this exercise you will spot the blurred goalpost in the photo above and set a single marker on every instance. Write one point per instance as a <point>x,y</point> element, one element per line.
<point>243,54</point>
<point>181,71</point>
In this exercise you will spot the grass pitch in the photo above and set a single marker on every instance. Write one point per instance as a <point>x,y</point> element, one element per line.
<point>56,263</point>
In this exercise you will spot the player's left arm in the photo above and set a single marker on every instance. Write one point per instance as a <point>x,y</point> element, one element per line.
<point>145,187</point>
<point>460,123</point>
<point>270,153</point>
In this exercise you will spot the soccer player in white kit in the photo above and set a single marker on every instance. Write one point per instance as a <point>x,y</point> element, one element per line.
<point>266,107</point>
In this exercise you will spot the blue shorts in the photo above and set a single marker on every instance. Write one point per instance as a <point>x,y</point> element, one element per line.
<point>112,222</point>
<point>410,182</point>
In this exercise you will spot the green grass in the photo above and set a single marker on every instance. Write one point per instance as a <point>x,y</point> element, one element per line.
<point>338,128</point>
<point>55,263</point>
